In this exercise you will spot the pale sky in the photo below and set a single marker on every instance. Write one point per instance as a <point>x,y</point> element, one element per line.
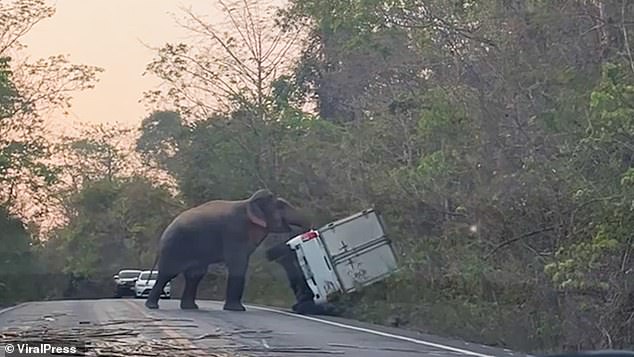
<point>111,34</point>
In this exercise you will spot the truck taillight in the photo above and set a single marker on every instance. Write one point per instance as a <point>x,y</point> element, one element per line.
<point>309,235</point>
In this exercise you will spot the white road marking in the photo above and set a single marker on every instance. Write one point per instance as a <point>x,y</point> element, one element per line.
<point>7,309</point>
<point>374,332</point>
<point>266,345</point>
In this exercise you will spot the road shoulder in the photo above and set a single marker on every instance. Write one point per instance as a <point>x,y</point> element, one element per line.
<point>401,334</point>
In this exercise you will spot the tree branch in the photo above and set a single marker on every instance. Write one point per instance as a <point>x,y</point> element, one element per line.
<point>515,239</point>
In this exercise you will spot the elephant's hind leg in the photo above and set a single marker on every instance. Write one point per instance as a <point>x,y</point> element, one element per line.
<point>193,276</point>
<point>157,289</point>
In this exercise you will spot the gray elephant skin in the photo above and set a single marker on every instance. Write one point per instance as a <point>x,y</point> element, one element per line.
<point>220,231</point>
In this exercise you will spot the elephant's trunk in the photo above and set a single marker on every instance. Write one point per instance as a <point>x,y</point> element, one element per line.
<point>296,218</point>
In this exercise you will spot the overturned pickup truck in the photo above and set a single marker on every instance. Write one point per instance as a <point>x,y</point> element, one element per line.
<point>344,256</point>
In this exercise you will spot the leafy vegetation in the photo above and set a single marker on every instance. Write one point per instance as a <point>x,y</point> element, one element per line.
<point>496,137</point>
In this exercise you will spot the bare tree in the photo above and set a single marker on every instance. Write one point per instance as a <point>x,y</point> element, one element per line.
<point>230,65</point>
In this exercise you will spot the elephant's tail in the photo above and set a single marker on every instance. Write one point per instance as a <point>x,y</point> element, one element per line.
<point>156,258</point>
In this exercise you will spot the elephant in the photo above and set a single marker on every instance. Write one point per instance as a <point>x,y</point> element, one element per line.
<point>220,231</point>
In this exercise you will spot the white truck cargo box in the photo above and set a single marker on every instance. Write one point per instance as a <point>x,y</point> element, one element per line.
<point>345,255</point>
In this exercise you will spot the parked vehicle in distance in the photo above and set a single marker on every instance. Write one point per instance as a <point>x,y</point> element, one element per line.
<point>124,281</point>
<point>146,281</point>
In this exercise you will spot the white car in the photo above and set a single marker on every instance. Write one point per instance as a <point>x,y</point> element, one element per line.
<point>124,282</point>
<point>146,281</point>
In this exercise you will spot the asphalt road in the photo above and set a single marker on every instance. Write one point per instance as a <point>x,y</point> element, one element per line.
<point>260,331</point>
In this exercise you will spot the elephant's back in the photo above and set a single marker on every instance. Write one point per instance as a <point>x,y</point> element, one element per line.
<point>200,223</point>
<point>206,217</point>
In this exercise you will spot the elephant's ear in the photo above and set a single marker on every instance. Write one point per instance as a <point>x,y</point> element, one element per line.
<point>254,204</point>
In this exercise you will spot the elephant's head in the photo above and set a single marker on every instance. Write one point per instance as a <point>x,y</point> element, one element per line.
<point>274,214</point>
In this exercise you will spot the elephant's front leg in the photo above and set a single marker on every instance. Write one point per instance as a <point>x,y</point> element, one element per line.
<point>237,265</point>
<point>192,279</point>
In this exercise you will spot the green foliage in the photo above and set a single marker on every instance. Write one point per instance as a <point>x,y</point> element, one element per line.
<point>17,154</point>
<point>612,104</point>
<point>603,157</point>
<point>17,261</point>
<point>160,133</point>
<point>28,89</point>
<point>7,89</point>
<point>117,224</point>
<point>497,151</point>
